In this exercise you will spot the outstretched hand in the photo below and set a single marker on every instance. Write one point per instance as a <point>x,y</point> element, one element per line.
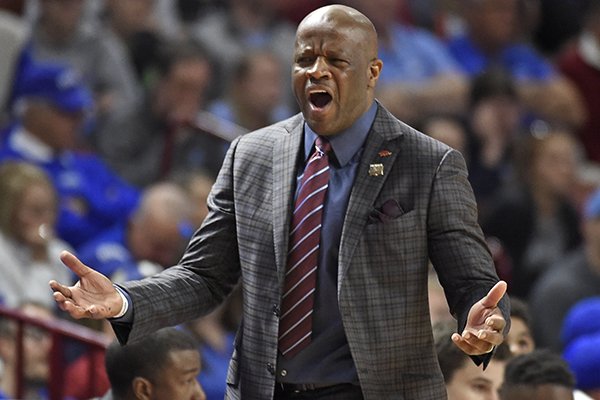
<point>485,324</point>
<point>93,296</point>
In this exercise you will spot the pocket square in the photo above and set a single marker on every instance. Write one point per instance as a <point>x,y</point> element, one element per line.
<point>388,211</point>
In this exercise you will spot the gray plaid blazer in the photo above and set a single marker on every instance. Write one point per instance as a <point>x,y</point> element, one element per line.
<point>383,260</point>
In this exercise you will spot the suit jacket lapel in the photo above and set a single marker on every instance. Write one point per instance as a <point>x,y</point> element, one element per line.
<point>285,156</point>
<point>381,147</point>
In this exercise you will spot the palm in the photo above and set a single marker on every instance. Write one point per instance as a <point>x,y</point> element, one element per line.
<point>93,296</point>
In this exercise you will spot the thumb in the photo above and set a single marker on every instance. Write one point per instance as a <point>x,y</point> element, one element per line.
<point>494,295</point>
<point>74,264</point>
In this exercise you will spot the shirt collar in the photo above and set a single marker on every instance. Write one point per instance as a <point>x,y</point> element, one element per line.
<point>27,144</point>
<point>346,143</point>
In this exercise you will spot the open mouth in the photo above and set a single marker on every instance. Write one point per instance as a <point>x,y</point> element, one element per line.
<point>320,99</point>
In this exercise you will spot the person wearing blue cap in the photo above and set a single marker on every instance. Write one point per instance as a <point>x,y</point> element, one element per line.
<point>583,357</point>
<point>582,319</point>
<point>572,279</point>
<point>50,105</point>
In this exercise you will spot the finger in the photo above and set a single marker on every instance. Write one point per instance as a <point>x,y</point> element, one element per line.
<point>73,310</point>
<point>471,344</point>
<point>73,263</point>
<point>58,288</point>
<point>490,337</point>
<point>495,323</point>
<point>464,345</point>
<point>494,295</point>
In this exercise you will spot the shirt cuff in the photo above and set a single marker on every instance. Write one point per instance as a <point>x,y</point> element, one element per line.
<point>126,312</point>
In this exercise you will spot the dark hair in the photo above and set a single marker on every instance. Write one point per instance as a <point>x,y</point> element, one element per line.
<point>143,358</point>
<point>520,309</point>
<point>174,52</point>
<point>540,367</point>
<point>491,83</point>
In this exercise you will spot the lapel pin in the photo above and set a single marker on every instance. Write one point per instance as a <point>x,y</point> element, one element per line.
<point>376,170</point>
<point>384,153</point>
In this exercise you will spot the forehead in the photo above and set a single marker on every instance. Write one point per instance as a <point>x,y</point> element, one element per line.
<point>315,36</point>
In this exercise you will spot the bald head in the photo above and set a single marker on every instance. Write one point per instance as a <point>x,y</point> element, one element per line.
<point>338,16</point>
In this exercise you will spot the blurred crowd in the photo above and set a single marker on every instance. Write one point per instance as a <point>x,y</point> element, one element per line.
<point>116,115</point>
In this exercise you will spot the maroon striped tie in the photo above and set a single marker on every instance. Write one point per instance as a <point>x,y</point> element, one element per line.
<point>295,325</point>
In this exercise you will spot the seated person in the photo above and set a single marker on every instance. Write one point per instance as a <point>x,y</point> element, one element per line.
<point>162,365</point>
<point>539,375</point>
<point>153,238</point>
<point>50,106</point>
<point>464,380</point>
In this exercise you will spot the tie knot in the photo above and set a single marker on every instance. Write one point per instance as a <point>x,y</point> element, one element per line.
<point>322,145</point>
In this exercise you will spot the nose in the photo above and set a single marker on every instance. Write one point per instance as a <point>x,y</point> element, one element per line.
<point>199,392</point>
<point>319,69</point>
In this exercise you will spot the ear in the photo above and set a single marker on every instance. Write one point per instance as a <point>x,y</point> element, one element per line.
<point>375,67</point>
<point>142,388</point>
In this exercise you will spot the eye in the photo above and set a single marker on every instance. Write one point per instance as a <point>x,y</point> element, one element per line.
<point>304,61</point>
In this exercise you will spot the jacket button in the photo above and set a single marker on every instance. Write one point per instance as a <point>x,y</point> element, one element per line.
<point>271,368</point>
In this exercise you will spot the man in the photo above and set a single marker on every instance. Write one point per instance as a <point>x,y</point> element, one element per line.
<point>163,365</point>
<point>538,375</point>
<point>156,133</point>
<point>152,238</point>
<point>396,198</point>
<point>51,102</point>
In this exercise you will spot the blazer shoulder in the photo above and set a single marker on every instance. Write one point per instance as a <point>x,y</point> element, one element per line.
<point>273,132</point>
<point>391,128</point>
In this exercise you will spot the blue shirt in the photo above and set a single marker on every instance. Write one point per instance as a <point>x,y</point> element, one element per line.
<point>414,56</point>
<point>110,255</point>
<point>520,60</point>
<point>92,198</point>
<point>327,358</point>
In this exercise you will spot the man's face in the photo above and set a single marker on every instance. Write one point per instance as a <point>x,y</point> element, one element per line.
<point>473,383</point>
<point>334,73</point>
<point>178,378</point>
<point>181,93</point>
<point>519,338</point>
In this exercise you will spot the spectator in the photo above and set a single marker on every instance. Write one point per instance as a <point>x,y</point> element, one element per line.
<point>28,246</point>
<point>60,34</point>
<point>492,38</point>
<point>539,375</point>
<point>51,103</point>
<point>580,63</point>
<point>162,365</point>
<point>464,381</point>
<point>520,338</point>
<point>157,133</point>
<point>135,26</point>
<point>534,218</point>
<point>13,36</point>
<point>36,352</point>
<point>582,319</point>
<point>420,77</point>
<point>255,98</point>
<point>244,26</point>
<point>583,356</point>
<point>153,238</point>
<point>493,126</point>
<point>572,279</point>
